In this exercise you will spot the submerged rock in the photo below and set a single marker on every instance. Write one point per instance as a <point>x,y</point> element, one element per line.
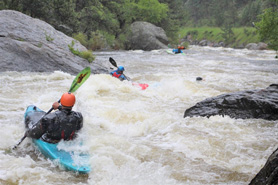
<point>29,44</point>
<point>260,104</point>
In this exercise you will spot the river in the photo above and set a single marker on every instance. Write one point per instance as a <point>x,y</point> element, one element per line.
<point>139,137</point>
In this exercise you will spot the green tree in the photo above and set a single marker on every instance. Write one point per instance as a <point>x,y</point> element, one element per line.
<point>35,8</point>
<point>250,13</point>
<point>94,16</point>
<point>217,13</point>
<point>63,16</point>
<point>151,11</point>
<point>123,12</point>
<point>11,4</point>
<point>268,26</point>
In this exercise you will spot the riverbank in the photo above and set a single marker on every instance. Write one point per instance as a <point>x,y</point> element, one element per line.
<point>243,37</point>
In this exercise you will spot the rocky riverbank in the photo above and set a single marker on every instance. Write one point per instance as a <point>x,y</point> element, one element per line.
<point>204,42</point>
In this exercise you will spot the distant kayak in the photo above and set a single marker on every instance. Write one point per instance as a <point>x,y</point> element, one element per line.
<point>69,160</point>
<point>171,52</point>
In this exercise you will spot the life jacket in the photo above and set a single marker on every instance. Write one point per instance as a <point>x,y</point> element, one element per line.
<point>115,74</point>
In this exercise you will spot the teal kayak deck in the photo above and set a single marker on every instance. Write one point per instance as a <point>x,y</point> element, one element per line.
<point>171,52</point>
<point>69,160</point>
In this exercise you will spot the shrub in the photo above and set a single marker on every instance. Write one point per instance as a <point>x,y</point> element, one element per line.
<point>88,55</point>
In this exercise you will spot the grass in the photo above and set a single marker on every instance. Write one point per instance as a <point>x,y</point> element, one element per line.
<point>242,35</point>
<point>88,55</point>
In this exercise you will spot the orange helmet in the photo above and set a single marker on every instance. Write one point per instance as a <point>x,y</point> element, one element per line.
<point>68,99</point>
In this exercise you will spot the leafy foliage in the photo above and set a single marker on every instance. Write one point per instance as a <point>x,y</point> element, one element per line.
<point>268,27</point>
<point>151,11</point>
<point>88,55</point>
<point>105,22</point>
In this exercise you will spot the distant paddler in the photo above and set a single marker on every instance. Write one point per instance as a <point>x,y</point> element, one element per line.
<point>118,73</point>
<point>178,50</point>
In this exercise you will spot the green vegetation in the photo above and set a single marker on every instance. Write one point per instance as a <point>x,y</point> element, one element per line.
<point>48,37</point>
<point>104,23</point>
<point>88,55</point>
<point>20,39</point>
<point>39,45</point>
<point>268,27</point>
<point>240,36</point>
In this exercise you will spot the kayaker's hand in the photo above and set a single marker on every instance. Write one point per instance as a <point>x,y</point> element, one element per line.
<point>55,105</point>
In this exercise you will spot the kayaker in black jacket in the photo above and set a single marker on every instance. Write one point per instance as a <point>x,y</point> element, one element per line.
<point>62,124</point>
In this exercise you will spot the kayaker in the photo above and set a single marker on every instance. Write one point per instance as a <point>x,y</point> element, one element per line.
<point>62,124</point>
<point>179,50</point>
<point>119,73</point>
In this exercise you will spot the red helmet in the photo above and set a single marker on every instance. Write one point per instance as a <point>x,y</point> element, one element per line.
<point>68,99</point>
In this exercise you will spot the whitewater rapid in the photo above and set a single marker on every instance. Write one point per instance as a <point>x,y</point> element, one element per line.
<point>140,136</point>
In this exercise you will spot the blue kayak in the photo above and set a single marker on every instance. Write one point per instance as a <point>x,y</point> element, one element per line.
<point>171,52</point>
<point>69,160</point>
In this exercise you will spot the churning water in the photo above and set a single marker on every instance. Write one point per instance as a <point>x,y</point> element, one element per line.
<point>138,137</point>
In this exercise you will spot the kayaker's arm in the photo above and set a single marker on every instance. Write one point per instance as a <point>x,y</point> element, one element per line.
<point>36,132</point>
<point>122,77</point>
<point>80,117</point>
<point>39,129</point>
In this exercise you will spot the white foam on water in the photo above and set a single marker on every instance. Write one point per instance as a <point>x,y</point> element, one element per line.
<point>140,136</point>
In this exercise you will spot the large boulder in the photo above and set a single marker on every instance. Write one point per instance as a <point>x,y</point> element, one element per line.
<point>146,36</point>
<point>29,44</point>
<point>269,173</point>
<point>262,103</point>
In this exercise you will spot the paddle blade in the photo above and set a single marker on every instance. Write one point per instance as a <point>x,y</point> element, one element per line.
<point>80,79</point>
<point>141,86</point>
<point>113,62</point>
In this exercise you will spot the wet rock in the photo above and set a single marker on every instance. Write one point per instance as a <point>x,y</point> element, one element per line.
<point>259,104</point>
<point>251,46</point>
<point>199,78</point>
<point>28,44</point>
<point>269,173</point>
<point>262,46</point>
<point>203,43</point>
<point>146,36</point>
<point>255,46</point>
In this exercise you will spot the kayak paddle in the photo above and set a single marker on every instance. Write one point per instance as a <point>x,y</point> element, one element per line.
<point>77,82</point>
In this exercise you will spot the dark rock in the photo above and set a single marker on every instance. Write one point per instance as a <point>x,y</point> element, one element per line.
<point>269,173</point>
<point>28,44</point>
<point>146,36</point>
<point>199,78</point>
<point>262,46</point>
<point>203,43</point>
<point>259,104</point>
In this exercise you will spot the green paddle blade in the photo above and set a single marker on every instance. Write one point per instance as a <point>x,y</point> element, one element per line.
<point>80,79</point>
